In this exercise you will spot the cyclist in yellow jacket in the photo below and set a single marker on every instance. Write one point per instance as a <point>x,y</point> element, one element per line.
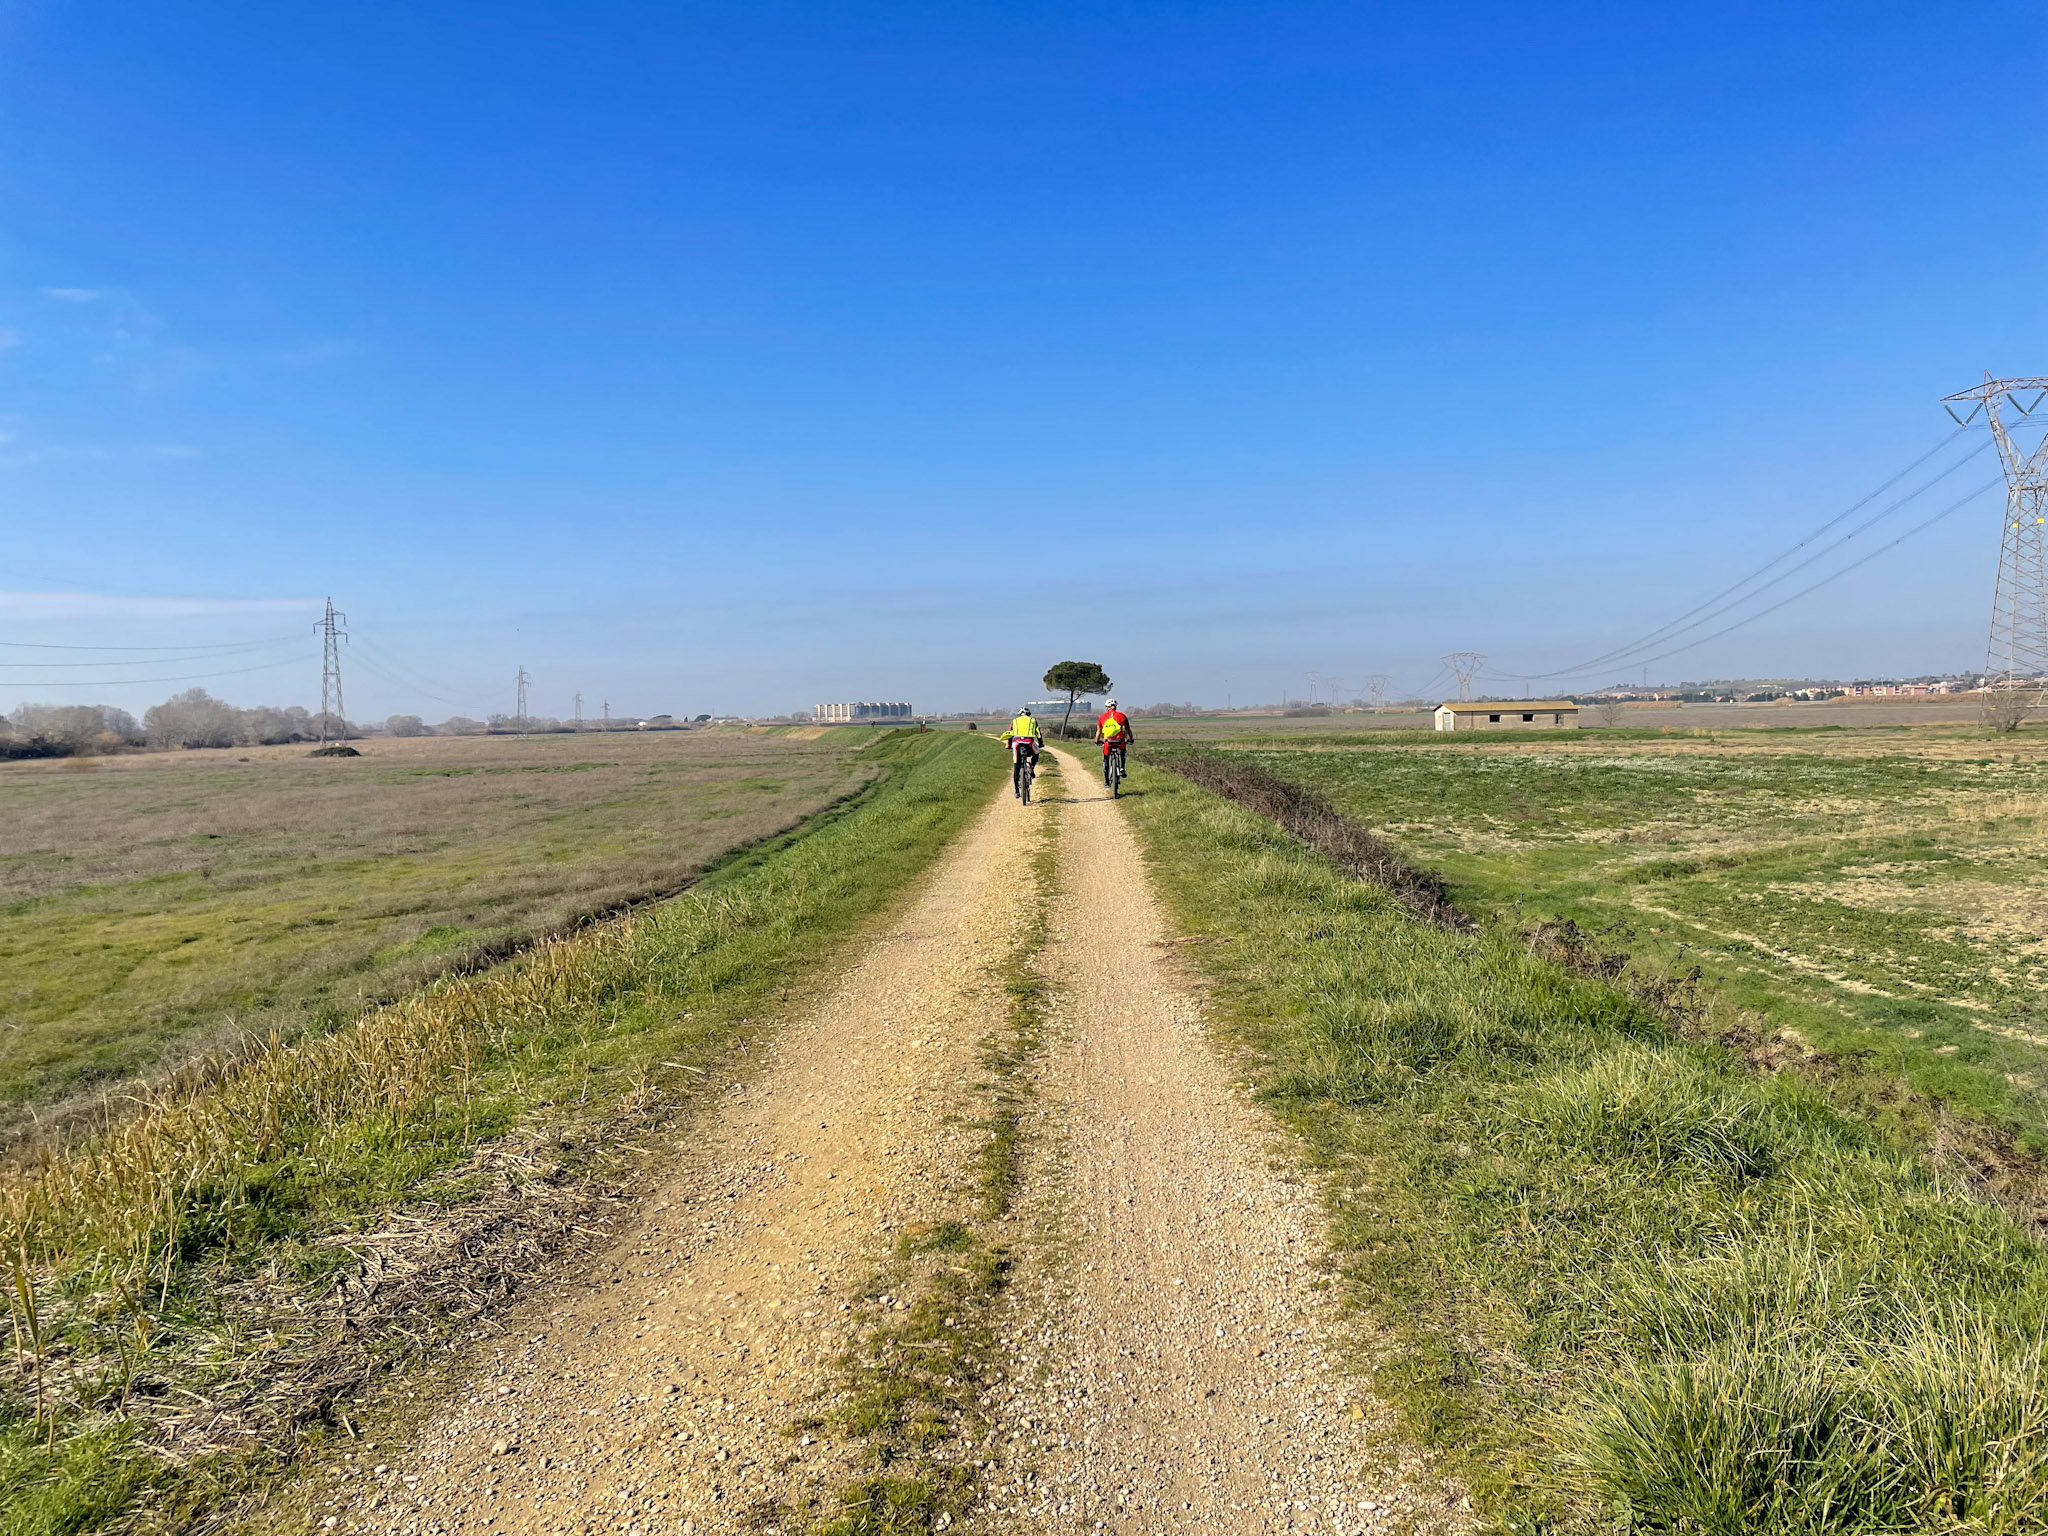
<point>1024,739</point>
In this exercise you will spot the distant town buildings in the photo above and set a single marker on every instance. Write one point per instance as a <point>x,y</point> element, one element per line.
<point>1800,692</point>
<point>846,713</point>
<point>1508,715</point>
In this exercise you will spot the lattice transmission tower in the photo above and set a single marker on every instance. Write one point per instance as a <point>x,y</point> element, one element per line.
<point>2016,657</point>
<point>523,681</point>
<point>332,634</point>
<point>1378,684</point>
<point>1465,663</point>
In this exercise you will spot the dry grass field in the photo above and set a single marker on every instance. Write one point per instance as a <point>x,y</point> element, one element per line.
<point>156,905</point>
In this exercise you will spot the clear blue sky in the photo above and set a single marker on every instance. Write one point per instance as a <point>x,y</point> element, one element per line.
<point>736,357</point>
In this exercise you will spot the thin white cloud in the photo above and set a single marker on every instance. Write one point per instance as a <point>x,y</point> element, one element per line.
<point>72,295</point>
<point>42,453</point>
<point>100,605</point>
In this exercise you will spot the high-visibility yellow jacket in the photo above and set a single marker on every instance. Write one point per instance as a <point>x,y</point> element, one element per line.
<point>1026,728</point>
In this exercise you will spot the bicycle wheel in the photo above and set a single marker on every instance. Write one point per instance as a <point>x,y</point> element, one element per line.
<point>1116,775</point>
<point>1024,772</point>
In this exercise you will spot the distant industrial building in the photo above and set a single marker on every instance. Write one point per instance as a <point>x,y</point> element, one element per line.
<point>1507,715</point>
<point>852,712</point>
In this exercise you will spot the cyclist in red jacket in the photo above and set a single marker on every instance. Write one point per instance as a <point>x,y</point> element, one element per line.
<point>1113,730</point>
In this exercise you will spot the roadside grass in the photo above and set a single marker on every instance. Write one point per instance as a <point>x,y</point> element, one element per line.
<point>1619,1281</point>
<point>916,1382</point>
<point>1879,894</point>
<point>169,904</point>
<point>194,1290</point>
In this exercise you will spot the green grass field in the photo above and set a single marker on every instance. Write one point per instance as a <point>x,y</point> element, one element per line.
<point>1619,1281</point>
<point>159,905</point>
<point>1881,894</point>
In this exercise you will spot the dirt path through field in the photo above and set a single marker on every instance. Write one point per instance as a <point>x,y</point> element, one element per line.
<point>660,1398</point>
<point>1173,1375</point>
<point>1166,1337</point>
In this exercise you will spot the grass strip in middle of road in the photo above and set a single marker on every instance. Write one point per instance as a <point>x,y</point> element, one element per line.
<point>916,1382</point>
<point>1621,1280</point>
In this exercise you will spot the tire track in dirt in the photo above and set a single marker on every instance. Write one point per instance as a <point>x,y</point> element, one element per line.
<point>656,1395</point>
<point>1171,1371</point>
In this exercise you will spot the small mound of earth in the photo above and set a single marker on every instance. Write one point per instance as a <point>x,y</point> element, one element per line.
<point>334,752</point>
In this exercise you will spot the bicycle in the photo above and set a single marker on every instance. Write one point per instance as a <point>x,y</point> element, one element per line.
<point>1113,771</point>
<point>1022,772</point>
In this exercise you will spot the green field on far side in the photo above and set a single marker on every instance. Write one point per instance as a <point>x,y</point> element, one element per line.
<point>1880,893</point>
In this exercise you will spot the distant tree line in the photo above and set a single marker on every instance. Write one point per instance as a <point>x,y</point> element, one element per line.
<point>195,718</point>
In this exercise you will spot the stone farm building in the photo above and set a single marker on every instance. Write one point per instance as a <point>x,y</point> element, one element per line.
<point>1508,715</point>
<point>861,712</point>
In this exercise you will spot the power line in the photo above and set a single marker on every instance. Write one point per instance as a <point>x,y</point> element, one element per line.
<point>1727,599</point>
<point>225,645</point>
<point>126,682</point>
<point>1954,506</point>
<point>403,675</point>
<point>133,661</point>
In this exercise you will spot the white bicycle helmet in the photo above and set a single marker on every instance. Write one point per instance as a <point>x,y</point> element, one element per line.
<point>1109,703</point>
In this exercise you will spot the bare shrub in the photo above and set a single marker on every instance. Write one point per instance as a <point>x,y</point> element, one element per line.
<point>2005,708</point>
<point>406,725</point>
<point>1609,711</point>
<point>61,730</point>
<point>269,726</point>
<point>194,718</point>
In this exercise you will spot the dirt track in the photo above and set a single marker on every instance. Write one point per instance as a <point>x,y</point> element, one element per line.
<point>657,1400</point>
<point>1175,1376</point>
<point>1168,1369</point>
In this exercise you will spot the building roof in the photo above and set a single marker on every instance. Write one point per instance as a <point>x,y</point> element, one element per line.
<point>1505,706</point>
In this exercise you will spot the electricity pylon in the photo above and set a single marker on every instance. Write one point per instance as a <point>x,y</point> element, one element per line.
<point>331,636</point>
<point>1378,684</point>
<point>523,681</point>
<point>1465,663</point>
<point>2016,656</point>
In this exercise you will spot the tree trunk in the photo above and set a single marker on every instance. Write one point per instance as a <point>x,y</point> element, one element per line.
<point>1068,718</point>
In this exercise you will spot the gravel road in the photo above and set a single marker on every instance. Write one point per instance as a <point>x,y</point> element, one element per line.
<point>1168,1332</point>
<point>1172,1373</point>
<point>657,1399</point>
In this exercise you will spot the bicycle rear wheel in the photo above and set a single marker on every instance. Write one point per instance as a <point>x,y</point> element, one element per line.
<point>1024,772</point>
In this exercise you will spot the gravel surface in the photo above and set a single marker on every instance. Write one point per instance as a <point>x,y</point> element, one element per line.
<point>1168,1336</point>
<point>1172,1373</point>
<point>657,1395</point>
